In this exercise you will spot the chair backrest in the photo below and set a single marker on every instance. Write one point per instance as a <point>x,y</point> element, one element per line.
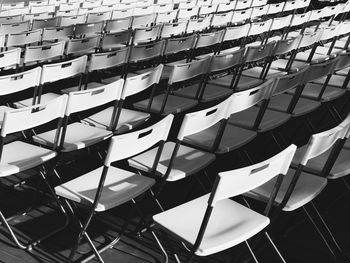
<point>235,182</point>
<point>285,46</point>
<point>221,19</point>
<point>343,61</point>
<point>122,13</point>
<point>68,6</point>
<point>117,25</point>
<point>10,5</point>
<point>310,38</point>
<point>209,39</point>
<point>146,34</point>
<point>241,16</point>
<point>323,141</point>
<point>280,22</point>
<point>10,19</point>
<point>226,61</point>
<point>275,8</point>
<point>100,61</point>
<point>198,24</point>
<point>236,32</point>
<point>290,5</point>
<point>176,45</point>
<point>259,11</point>
<point>198,121</point>
<point>72,20</point>
<point>243,4</point>
<point>116,40</point>
<point>257,28</point>
<point>300,19</point>
<point>82,46</point>
<point>98,17</point>
<point>24,38</point>
<point>13,28</point>
<point>136,84</point>
<point>33,116</point>
<point>186,71</point>
<point>19,81</point>
<point>43,52</point>
<point>88,99</point>
<point>163,8</point>
<point>166,17</point>
<point>143,20</point>
<point>57,33</point>
<point>42,23</point>
<point>320,70</point>
<point>10,57</point>
<point>140,140</point>
<point>37,9</point>
<point>289,81</point>
<point>173,29</point>
<point>146,51</point>
<point>243,100</point>
<point>258,52</point>
<point>88,29</point>
<point>62,70</point>
<point>187,13</point>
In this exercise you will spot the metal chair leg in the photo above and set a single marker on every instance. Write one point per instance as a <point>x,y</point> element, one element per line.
<point>251,252</point>
<point>166,258</point>
<point>274,247</point>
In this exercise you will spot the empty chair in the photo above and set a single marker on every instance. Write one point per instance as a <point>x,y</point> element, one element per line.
<point>20,155</point>
<point>76,135</point>
<point>110,186</point>
<point>117,25</point>
<point>166,17</point>
<point>221,19</point>
<point>128,119</point>
<point>24,38</point>
<point>10,58</point>
<point>179,47</point>
<point>72,20</point>
<point>198,24</point>
<point>143,20</point>
<point>10,19</point>
<point>146,52</point>
<point>98,17</point>
<point>146,34</point>
<point>187,13</point>
<point>179,75</point>
<point>173,29</point>
<point>214,222</point>
<point>14,28</point>
<point>122,13</point>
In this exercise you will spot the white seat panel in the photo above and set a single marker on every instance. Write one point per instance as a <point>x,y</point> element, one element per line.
<point>19,156</point>
<point>2,112</point>
<point>120,186</point>
<point>78,136</point>
<point>306,189</point>
<point>188,161</point>
<point>230,224</point>
<point>128,119</point>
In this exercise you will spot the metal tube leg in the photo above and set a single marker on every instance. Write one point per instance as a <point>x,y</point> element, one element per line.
<point>274,247</point>
<point>166,258</point>
<point>251,251</point>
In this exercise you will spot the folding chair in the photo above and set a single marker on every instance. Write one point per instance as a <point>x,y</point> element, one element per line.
<point>13,28</point>
<point>207,43</point>
<point>180,74</point>
<point>166,17</point>
<point>218,64</point>
<point>200,24</point>
<point>117,25</point>
<point>173,29</point>
<point>122,13</point>
<point>24,38</point>
<point>221,20</point>
<point>75,135</point>
<point>129,119</point>
<point>20,155</point>
<point>98,17</point>
<point>243,4</point>
<point>301,187</point>
<point>214,222</point>
<point>88,29</point>
<point>10,19</point>
<point>72,19</point>
<point>55,72</point>
<point>110,186</point>
<point>10,59</point>
<point>146,34</point>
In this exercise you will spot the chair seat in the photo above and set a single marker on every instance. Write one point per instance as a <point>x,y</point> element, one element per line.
<point>243,84</point>
<point>324,50</point>
<point>256,71</point>
<point>306,189</point>
<point>347,144</point>
<point>120,186</point>
<point>128,119</point>
<point>211,92</point>
<point>343,72</point>
<point>174,104</point>
<point>230,224</point>
<point>270,120</point>
<point>303,106</point>
<point>315,165</point>
<point>233,138</point>
<point>187,162</point>
<point>312,91</point>
<point>91,85</point>
<point>19,156</point>
<point>316,58</point>
<point>78,136</point>
<point>280,64</point>
<point>335,81</point>
<point>45,98</point>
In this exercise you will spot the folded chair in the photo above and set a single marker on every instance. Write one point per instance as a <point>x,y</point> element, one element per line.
<point>108,186</point>
<point>214,222</point>
<point>300,186</point>
<point>21,155</point>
